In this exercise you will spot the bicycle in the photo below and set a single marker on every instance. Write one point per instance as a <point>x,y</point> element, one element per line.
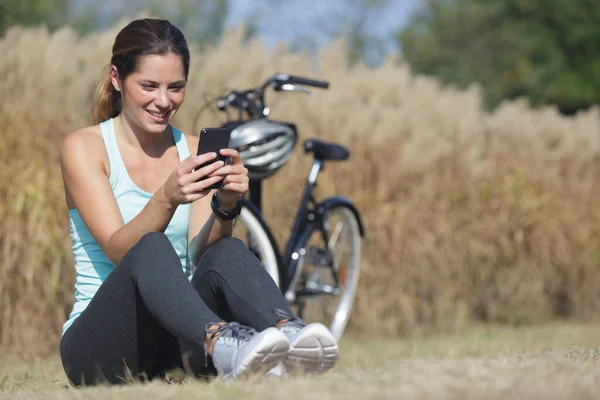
<point>311,266</point>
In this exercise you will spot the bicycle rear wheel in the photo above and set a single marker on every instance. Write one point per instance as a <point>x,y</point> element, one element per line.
<point>330,269</point>
<point>248,229</point>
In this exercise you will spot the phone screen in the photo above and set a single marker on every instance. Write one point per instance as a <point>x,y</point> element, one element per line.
<point>212,140</point>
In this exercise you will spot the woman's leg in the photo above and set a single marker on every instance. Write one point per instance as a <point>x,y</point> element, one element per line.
<point>118,333</point>
<point>143,302</point>
<point>235,286</point>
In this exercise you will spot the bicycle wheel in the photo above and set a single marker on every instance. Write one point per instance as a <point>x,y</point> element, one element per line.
<point>249,229</point>
<point>334,253</point>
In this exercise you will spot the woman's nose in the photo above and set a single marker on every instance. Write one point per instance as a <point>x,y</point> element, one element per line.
<point>162,99</point>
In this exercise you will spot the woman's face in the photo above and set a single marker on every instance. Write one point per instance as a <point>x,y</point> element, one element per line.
<point>154,92</point>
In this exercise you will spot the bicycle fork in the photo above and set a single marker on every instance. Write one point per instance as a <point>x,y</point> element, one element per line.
<point>319,257</point>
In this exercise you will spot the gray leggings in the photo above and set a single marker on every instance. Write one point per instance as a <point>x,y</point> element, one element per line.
<point>147,318</point>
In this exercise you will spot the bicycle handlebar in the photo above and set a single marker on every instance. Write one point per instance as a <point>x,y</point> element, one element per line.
<point>252,101</point>
<point>308,82</point>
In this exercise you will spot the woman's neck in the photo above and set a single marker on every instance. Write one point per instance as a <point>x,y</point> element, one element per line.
<point>154,145</point>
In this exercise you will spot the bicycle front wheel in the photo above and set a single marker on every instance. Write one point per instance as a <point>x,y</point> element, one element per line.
<point>330,269</point>
<point>249,229</point>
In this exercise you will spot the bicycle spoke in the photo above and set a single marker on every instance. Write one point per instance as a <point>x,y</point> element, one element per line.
<point>340,249</point>
<point>335,235</point>
<point>330,273</point>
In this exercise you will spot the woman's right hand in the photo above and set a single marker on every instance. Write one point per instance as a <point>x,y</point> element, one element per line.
<point>182,185</point>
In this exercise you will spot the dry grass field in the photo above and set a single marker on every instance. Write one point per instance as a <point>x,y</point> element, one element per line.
<point>558,361</point>
<point>470,216</point>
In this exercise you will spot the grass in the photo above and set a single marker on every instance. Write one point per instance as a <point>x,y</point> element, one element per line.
<point>470,216</point>
<point>557,361</point>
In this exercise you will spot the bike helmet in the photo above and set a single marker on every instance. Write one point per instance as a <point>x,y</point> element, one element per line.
<point>264,146</point>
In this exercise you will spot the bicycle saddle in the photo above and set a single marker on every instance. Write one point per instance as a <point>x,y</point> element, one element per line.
<point>326,151</point>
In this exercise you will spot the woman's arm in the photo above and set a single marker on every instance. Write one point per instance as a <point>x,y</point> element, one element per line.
<point>87,188</point>
<point>205,228</point>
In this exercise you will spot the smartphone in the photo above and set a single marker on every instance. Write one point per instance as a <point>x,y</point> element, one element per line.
<point>212,140</point>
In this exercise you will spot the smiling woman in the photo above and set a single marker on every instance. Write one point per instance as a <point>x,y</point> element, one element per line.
<point>129,51</point>
<point>154,92</point>
<point>158,87</point>
<point>140,216</point>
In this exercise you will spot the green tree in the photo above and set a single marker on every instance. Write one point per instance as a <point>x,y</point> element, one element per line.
<point>202,21</point>
<point>355,26</point>
<point>52,13</point>
<point>547,51</point>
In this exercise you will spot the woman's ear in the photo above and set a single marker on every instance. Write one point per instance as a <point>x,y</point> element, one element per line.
<point>114,78</point>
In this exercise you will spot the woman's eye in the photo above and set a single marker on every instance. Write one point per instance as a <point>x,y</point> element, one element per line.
<point>147,87</point>
<point>177,88</point>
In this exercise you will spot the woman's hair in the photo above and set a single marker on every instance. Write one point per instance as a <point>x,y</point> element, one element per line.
<point>138,39</point>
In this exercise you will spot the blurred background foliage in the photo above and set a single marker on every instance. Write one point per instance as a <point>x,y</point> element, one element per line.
<point>202,20</point>
<point>475,216</point>
<point>546,51</point>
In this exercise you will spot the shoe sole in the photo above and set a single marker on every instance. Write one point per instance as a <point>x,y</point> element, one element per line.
<point>272,349</point>
<point>315,350</point>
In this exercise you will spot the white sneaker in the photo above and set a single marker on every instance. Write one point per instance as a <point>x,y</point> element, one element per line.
<point>312,347</point>
<point>240,350</point>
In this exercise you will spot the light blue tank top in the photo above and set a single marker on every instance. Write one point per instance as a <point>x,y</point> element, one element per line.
<point>91,264</point>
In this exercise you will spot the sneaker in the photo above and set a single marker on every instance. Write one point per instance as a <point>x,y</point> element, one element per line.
<point>240,350</point>
<point>312,346</point>
<point>276,372</point>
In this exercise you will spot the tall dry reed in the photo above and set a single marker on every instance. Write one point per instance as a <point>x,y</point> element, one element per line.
<point>470,216</point>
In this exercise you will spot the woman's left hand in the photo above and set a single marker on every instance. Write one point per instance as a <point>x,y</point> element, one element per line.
<point>235,184</point>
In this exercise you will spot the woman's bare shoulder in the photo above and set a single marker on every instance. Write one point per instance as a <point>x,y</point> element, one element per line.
<point>88,136</point>
<point>84,145</point>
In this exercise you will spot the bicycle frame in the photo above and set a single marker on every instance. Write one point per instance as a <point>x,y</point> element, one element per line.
<point>312,217</point>
<point>308,218</point>
<point>303,213</point>
<point>301,219</point>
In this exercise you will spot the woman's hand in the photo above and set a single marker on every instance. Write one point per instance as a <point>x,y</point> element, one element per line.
<point>182,185</point>
<point>235,183</point>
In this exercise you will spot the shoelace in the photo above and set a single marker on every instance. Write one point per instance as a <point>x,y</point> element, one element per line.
<point>229,330</point>
<point>292,321</point>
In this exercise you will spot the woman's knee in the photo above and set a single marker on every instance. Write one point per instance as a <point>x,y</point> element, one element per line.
<point>152,240</point>
<point>228,244</point>
<point>227,252</point>
<point>150,243</point>
<point>154,248</point>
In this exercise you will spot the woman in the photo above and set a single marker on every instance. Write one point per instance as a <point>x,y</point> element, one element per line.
<point>139,216</point>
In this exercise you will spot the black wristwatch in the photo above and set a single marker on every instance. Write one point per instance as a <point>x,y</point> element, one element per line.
<point>222,214</point>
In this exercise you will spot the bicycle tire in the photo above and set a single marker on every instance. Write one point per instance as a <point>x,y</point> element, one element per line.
<point>258,241</point>
<point>342,312</point>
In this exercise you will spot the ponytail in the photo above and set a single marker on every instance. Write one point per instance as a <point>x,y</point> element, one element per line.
<point>107,101</point>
